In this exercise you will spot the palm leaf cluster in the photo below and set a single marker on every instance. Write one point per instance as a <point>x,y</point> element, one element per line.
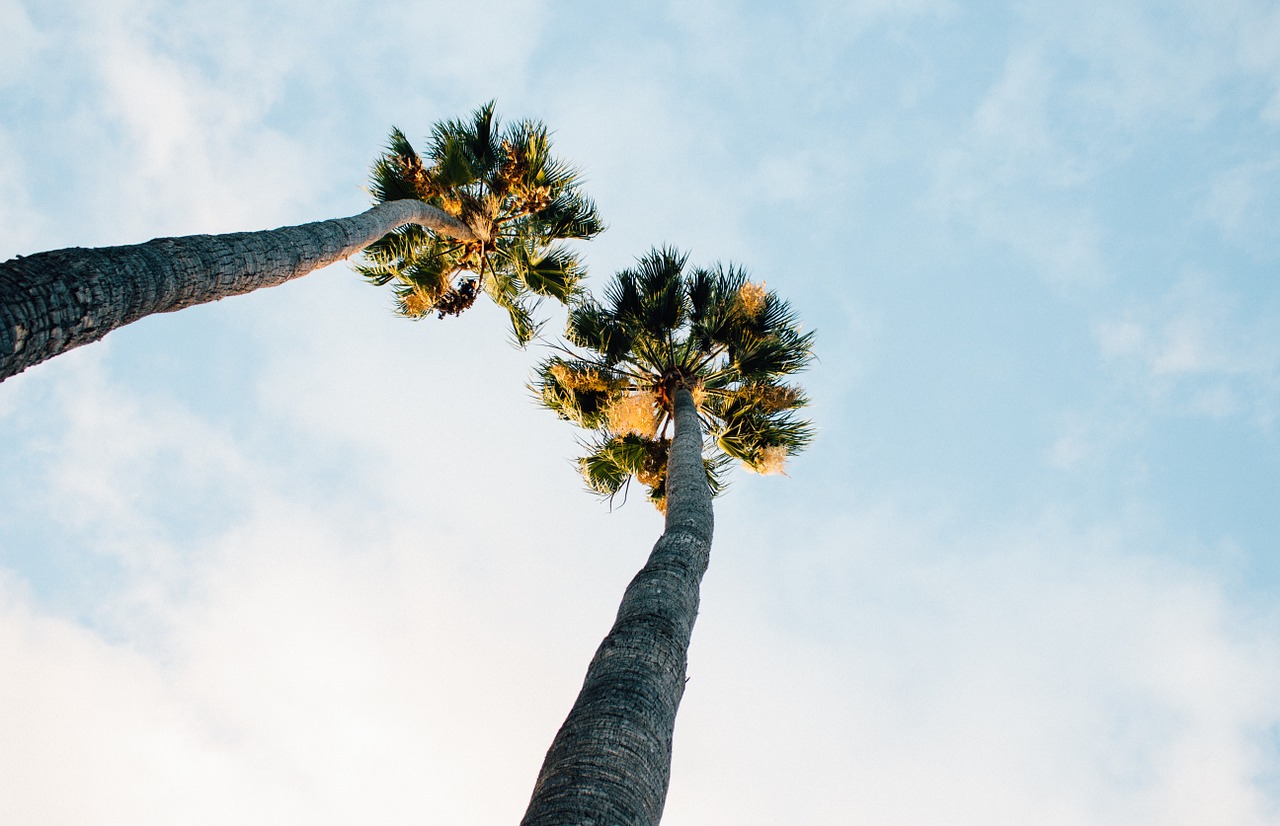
<point>662,326</point>
<point>520,203</point>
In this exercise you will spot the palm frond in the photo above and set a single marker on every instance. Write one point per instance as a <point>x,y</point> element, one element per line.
<point>569,215</point>
<point>481,139</point>
<point>714,308</point>
<point>554,272</point>
<point>662,299</point>
<point>504,289</point>
<point>398,172</point>
<point>592,327</point>
<point>612,461</point>
<point>764,359</point>
<point>454,167</point>
<point>625,305</point>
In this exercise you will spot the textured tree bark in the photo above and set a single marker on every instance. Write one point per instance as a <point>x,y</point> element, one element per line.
<point>610,763</point>
<point>53,301</point>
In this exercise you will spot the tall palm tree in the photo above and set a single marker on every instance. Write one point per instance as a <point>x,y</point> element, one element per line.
<point>486,201</point>
<point>668,356</point>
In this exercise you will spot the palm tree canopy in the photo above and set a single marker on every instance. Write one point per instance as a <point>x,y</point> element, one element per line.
<point>661,326</point>
<point>520,203</point>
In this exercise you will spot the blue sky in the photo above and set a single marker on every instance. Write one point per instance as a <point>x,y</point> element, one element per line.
<point>289,557</point>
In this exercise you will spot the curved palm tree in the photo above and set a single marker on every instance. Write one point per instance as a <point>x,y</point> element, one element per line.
<point>54,301</point>
<point>667,356</point>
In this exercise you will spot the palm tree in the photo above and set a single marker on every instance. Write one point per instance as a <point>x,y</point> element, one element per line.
<point>665,356</point>
<point>489,202</point>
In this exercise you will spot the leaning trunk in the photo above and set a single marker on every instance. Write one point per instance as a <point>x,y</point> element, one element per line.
<point>53,301</point>
<point>611,761</point>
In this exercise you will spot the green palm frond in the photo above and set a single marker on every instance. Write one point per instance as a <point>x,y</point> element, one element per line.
<point>480,141</point>
<point>455,166</point>
<point>622,297</point>
<point>612,461</point>
<point>505,289</point>
<point>570,215</point>
<point>398,173</point>
<point>593,327</point>
<point>661,326</point>
<point>555,272</point>
<point>765,358</point>
<point>662,290</point>
<point>713,299</point>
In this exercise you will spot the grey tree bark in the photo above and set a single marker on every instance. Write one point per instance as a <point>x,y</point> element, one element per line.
<point>610,763</point>
<point>53,301</point>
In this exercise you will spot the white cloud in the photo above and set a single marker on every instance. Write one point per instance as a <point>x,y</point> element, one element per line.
<point>852,18</point>
<point>1033,674</point>
<point>1259,33</point>
<point>24,40</point>
<point>1120,338</point>
<point>17,220</point>
<point>151,130</point>
<point>1014,179</point>
<point>1079,445</point>
<point>1080,93</point>
<point>1241,202</point>
<point>663,186</point>
<point>309,669</point>
<point>1013,118</point>
<point>1197,350</point>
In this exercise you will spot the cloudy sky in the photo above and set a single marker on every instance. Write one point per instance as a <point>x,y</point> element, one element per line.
<point>288,558</point>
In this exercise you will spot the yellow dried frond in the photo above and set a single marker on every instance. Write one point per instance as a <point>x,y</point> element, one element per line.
<point>770,461</point>
<point>535,198</point>
<point>752,298</point>
<point>416,304</point>
<point>634,413</point>
<point>451,204</point>
<point>648,476</point>
<point>699,393</point>
<point>654,469</point>
<point>586,379</point>
<point>416,174</point>
<point>773,397</point>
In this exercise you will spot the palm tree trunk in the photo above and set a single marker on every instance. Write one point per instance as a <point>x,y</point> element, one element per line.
<point>53,301</point>
<point>611,761</point>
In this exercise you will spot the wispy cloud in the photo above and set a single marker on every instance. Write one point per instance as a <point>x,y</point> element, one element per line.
<point>1037,671</point>
<point>1012,177</point>
<point>1198,351</point>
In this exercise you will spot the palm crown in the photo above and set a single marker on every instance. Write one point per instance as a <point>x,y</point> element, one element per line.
<point>727,339</point>
<point>518,201</point>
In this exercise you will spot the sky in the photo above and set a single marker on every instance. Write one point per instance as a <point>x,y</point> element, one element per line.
<point>289,558</point>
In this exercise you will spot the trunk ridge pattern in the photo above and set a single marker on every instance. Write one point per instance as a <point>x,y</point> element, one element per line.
<point>54,301</point>
<point>611,761</point>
